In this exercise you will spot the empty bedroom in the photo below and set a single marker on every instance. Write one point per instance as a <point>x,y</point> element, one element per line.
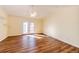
<point>39,29</point>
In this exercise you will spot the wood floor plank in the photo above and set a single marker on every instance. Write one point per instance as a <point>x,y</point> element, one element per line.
<point>35,43</point>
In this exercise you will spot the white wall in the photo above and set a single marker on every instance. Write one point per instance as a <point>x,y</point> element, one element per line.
<point>3,25</point>
<point>64,24</point>
<point>15,25</point>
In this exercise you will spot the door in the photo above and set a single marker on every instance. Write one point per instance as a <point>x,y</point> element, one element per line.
<point>28,27</point>
<point>25,27</point>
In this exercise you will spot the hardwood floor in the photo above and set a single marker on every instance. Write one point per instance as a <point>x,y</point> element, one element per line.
<point>35,43</point>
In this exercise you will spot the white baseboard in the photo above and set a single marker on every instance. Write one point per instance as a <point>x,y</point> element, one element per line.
<point>65,40</point>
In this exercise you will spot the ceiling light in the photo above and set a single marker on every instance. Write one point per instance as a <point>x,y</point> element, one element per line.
<point>33,14</point>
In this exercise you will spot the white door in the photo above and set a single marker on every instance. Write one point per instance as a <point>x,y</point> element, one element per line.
<point>28,27</point>
<point>25,27</point>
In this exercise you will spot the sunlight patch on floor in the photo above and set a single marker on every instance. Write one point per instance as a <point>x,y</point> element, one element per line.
<point>36,36</point>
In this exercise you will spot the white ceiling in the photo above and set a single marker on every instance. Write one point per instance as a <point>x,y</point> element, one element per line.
<point>25,10</point>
